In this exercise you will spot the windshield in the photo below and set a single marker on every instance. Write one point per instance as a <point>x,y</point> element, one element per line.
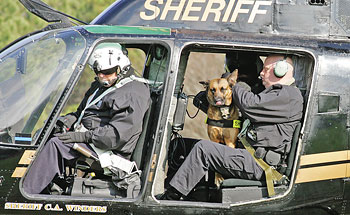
<point>33,75</point>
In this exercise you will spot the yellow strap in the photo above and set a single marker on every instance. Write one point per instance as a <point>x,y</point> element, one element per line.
<point>227,69</point>
<point>271,174</point>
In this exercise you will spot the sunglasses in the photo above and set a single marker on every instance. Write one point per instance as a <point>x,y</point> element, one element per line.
<point>107,71</point>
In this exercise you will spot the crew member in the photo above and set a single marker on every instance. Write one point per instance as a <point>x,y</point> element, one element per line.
<point>274,114</point>
<point>109,117</point>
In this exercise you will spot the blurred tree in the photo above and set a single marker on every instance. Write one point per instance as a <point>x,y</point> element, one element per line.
<point>16,21</point>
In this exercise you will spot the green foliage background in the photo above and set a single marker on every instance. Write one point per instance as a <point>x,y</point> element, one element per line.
<point>16,21</point>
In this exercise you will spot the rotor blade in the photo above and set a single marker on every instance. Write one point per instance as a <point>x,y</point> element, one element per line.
<point>46,12</point>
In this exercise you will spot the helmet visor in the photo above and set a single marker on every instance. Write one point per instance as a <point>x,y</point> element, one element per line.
<point>106,71</point>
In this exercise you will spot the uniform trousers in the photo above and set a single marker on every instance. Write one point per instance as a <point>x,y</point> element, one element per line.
<point>207,155</point>
<point>49,163</point>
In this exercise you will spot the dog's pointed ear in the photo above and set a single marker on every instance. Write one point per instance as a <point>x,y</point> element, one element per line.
<point>232,78</point>
<point>204,83</point>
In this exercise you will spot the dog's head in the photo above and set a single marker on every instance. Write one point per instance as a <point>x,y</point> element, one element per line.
<point>219,90</point>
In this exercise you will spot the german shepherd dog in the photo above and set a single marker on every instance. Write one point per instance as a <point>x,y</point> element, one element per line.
<point>222,112</point>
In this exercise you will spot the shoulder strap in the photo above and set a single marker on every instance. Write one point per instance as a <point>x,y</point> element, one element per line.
<point>271,174</point>
<point>146,81</point>
<point>89,103</point>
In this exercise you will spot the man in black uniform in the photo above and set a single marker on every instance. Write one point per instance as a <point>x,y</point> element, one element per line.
<point>109,118</point>
<point>274,113</point>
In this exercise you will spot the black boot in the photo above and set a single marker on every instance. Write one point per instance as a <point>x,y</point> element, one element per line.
<point>170,194</point>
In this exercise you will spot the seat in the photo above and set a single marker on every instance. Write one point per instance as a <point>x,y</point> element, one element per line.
<point>235,189</point>
<point>140,148</point>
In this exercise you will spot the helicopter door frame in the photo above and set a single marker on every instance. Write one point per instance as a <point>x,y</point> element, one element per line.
<point>301,53</point>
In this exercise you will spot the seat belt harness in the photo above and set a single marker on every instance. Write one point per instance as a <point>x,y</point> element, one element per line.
<point>271,174</point>
<point>107,158</point>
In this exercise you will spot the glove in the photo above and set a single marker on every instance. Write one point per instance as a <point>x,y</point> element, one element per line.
<point>67,120</point>
<point>64,123</point>
<point>75,137</point>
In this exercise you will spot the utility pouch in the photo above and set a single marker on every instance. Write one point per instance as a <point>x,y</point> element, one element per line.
<point>272,158</point>
<point>260,153</point>
<point>131,183</point>
<point>95,187</point>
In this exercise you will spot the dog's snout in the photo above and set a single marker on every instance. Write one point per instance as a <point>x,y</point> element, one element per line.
<point>219,100</point>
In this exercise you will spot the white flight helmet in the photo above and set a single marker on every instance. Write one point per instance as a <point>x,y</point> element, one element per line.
<point>107,58</point>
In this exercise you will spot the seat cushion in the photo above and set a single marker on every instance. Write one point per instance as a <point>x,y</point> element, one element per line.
<point>237,182</point>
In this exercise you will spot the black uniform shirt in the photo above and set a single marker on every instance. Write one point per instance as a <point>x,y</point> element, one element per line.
<point>274,114</point>
<point>116,120</point>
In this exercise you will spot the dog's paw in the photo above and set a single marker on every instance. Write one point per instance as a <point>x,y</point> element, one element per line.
<point>218,179</point>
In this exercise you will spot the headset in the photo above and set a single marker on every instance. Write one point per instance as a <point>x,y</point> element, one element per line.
<point>281,68</point>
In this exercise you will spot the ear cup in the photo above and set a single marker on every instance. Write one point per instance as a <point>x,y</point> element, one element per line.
<point>281,68</point>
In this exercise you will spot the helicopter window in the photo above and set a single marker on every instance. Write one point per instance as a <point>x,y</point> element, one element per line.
<point>149,68</point>
<point>137,58</point>
<point>213,68</point>
<point>203,64</point>
<point>194,66</point>
<point>328,103</point>
<point>31,84</point>
<point>9,68</point>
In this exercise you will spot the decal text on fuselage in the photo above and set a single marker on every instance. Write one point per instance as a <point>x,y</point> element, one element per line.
<point>201,10</point>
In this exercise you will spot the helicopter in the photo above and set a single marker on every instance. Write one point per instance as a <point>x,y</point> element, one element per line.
<point>179,43</point>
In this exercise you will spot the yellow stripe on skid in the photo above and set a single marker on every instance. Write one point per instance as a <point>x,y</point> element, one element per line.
<point>324,157</point>
<point>325,172</point>
<point>322,173</point>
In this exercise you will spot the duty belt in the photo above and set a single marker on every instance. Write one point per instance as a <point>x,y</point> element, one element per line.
<point>272,175</point>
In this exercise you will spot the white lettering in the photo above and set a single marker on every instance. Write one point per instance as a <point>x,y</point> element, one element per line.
<point>23,206</point>
<point>49,207</point>
<point>70,207</point>
<point>189,8</point>
<point>87,208</point>
<point>228,10</point>
<point>168,7</point>
<point>200,10</point>
<point>257,11</point>
<point>154,9</point>
<point>216,11</point>
<point>239,9</point>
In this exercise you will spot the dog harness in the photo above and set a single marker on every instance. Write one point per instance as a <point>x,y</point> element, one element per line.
<point>224,123</point>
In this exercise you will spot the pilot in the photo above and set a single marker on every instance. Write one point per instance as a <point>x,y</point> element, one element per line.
<point>274,114</point>
<point>109,118</point>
